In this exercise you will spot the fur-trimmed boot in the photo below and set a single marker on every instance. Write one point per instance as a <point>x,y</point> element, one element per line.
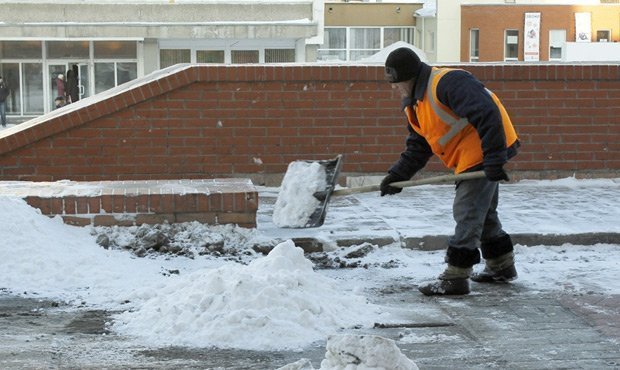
<point>500,262</point>
<point>455,279</point>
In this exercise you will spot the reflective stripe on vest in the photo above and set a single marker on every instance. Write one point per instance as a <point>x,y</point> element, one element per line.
<point>456,125</point>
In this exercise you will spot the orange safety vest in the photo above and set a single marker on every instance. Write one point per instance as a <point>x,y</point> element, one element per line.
<point>453,139</point>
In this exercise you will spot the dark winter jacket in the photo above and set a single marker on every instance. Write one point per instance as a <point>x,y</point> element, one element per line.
<point>464,96</point>
<point>4,92</point>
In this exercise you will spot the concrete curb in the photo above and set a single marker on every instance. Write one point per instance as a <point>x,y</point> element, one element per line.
<point>439,242</point>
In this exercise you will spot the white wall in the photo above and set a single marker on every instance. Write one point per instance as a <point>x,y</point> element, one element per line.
<point>592,52</point>
<point>448,31</point>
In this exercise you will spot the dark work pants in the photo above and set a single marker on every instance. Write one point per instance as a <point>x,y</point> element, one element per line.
<point>475,213</point>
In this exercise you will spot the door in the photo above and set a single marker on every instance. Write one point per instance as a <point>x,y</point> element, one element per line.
<point>56,83</point>
<point>83,80</point>
<point>60,80</point>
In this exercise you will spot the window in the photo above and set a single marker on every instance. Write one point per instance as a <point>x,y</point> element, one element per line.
<point>279,55</point>
<point>334,44</point>
<point>169,57</point>
<point>115,49</point>
<point>109,75</point>
<point>210,56</point>
<point>392,35</point>
<point>511,45</point>
<point>32,78</point>
<point>429,41</point>
<point>355,43</point>
<point>20,50</point>
<point>68,49</point>
<point>603,35</point>
<point>11,74</point>
<point>364,42</point>
<point>557,39</point>
<point>474,41</point>
<point>244,56</point>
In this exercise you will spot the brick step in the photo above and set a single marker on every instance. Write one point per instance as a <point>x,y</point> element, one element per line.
<point>126,203</point>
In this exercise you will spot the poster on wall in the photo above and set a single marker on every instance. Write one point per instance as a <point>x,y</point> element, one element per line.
<point>531,46</point>
<point>583,29</point>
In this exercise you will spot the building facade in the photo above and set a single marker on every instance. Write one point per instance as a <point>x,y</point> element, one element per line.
<point>355,30</point>
<point>88,46</point>
<point>534,32</point>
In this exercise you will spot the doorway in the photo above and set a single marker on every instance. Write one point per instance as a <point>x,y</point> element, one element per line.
<point>73,86</point>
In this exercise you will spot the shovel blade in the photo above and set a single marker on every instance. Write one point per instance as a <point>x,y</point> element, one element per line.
<point>332,170</point>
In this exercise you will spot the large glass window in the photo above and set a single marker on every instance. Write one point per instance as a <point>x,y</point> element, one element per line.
<point>279,55</point>
<point>104,77</point>
<point>511,46</point>
<point>10,74</point>
<point>334,44</point>
<point>68,49</point>
<point>474,42</point>
<point>169,57</point>
<point>126,72</point>
<point>210,56</point>
<point>355,43</point>
<point>32,78</point>
<point>115,49</point>
<point>109,75</point>
<point>20,50</point>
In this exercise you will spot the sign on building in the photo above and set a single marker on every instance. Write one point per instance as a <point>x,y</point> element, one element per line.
<point>531,46</point>
<point>583,28</point>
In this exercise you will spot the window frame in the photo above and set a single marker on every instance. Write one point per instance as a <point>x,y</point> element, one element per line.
<point>506,45</point>
<point>474,58</point>
<point>349,50</point>
<point>608,39</point>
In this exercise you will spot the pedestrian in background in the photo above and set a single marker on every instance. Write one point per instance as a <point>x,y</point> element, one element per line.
<point>4,93</point>
<point>73,89</point>
<point>60,87</point>
<point>452,115</point>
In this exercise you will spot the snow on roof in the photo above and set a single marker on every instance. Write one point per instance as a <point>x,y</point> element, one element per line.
<point>381,56</point>
<point>429,9</point>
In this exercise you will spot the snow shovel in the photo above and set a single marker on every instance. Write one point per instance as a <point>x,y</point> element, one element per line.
<point>332,168</point>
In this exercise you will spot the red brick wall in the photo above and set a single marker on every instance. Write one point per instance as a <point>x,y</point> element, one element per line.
<point>251,121</point>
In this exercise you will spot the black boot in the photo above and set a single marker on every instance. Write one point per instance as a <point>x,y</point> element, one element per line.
<point>500,263</point>
<point>455,279</point>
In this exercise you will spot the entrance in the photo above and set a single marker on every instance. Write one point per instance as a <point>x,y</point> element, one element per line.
<point>75,81</point>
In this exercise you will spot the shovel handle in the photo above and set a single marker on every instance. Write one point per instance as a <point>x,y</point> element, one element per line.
<point>406,184</point>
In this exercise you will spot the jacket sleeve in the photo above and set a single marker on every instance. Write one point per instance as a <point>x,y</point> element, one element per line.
<point>467,97</point>
<point>415,156</point>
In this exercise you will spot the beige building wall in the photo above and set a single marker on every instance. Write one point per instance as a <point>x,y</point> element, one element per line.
<point>370,14</point>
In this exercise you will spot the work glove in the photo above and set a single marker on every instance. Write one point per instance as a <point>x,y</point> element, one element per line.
<point>387,180</point>
<point>496,173</point>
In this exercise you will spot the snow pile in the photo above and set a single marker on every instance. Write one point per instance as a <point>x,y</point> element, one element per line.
<point>276,302</point>
<point>44,256</point>
<point>359,352</point>
<point>364,352</point>
<point>296,201</point>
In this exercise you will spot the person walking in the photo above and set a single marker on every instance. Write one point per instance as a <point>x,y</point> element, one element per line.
<point>452,115</point>
<point>4,93</point>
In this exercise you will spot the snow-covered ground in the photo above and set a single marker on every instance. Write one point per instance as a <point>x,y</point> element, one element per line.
<point>228,295</point>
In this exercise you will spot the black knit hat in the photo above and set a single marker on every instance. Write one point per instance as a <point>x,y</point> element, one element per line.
<point>401,65</point>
